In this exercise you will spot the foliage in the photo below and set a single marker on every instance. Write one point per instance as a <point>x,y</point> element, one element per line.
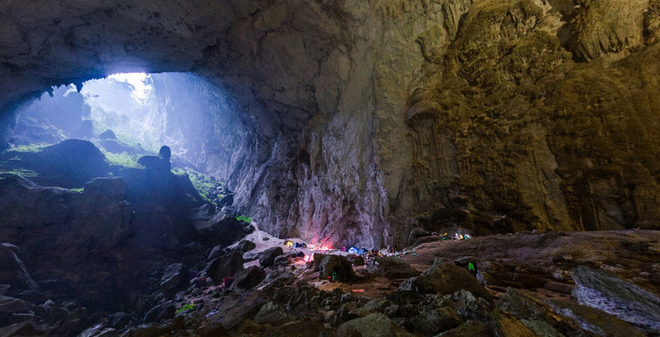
<point>202,183</point>
<point>19,172</point>
<point>121,159</point>
<point>186,307</point>
<point>243,218</point>
<point>27,148</point>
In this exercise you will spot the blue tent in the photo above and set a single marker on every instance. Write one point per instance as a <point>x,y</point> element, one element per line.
<point>353,251</point>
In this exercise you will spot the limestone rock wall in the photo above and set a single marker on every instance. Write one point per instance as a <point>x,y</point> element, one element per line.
<point>361,116</point>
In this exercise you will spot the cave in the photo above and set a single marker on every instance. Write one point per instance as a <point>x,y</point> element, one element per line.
<point>329,164</point>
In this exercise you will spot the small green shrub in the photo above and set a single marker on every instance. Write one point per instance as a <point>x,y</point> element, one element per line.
<point>186,307</point>
<point>243,218</point>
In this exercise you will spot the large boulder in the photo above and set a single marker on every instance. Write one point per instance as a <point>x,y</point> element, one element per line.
<point>248,278</point>
<point>160,312</point>
<point>175,276</point>
<point>374,325</point>
<point>445,278</point>
<point>336,264</point>
<point>392,267</point>
<point>223,229</point>
<point>69,164</point>
<point>604,291</point>
<point>225,266</point>
<point>267,257</point>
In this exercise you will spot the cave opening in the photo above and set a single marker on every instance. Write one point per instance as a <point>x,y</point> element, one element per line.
<point>128,116</point>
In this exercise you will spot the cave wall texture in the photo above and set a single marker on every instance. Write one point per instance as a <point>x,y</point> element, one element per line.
<point>359,116</point>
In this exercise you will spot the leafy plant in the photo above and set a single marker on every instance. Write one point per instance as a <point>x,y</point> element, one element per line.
<point>186,307</point>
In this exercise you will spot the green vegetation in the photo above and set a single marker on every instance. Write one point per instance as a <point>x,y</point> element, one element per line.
<point>243,218</point>
<point>186,307</point>
<point>27,148</point>
<point>19,172</point>
<point>202,183</point>
<point>79,189</point>
<point>121,159</point>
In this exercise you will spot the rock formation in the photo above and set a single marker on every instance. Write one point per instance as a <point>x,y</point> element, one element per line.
<point>358,117</point>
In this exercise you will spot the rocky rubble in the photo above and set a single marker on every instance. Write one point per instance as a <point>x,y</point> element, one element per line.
<point>446,299</point>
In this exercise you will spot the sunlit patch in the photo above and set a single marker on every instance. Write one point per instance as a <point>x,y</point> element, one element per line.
<point>139,81</point>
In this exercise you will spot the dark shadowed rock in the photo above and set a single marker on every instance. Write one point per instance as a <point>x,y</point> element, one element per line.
<point>120,320</point>
<point>70,164</point>
<point>272,314</point>
<point>21,329</point>
<point>443,279</point>
<point>602,290</point>
<point>302,328</point>
<point>430,322</point>
<point>267,257</point>
<point>153,163</point>
<point>246,246</point>
<point>392,267</point>
<point>374,325</point>
<point>160,312</point>
<point>469,328</point>
<point>248,278</point>
<point>12,270</point>
<point>224,266</point>
<point>223,229</point>
<point>175,276</point>
<point>10,305</point>
<point>336,264</point>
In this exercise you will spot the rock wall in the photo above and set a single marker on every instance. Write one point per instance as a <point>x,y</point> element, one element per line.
<point>361,116</point>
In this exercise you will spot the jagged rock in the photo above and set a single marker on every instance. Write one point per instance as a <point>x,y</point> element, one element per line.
<point>175,276</point>
<point>13,272</point>
<point>278,278</point>
<point>224,266</point>
<point>445,278</point>
<point>271,314</point>
<point>373,306</point>
<point>594,320</point>
<point>160,312</point>
<point>336,264</point>
<point>120,320</point>
<point>10,305</point>
<point>374,325</point>
<point>392,267</point>
<point>405,297</point>
<point>267,257</point>
<point>430,322</point>
<point>602,290</point>
<point>507,325</point>
<point>537,315</point>
<point>469,328</point>
<point>21,329</point>
<point>248,278</point>
<point>303,328</point>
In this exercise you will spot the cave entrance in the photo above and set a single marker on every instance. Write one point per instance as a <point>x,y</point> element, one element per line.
<point>128,116</point>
